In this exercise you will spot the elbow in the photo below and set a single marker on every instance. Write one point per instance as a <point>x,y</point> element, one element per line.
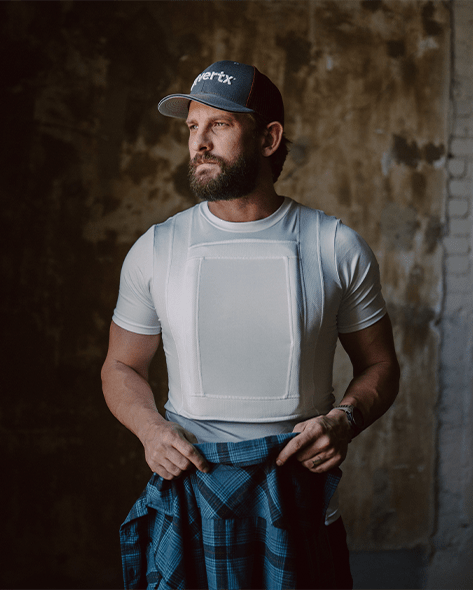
<point>104,373</point>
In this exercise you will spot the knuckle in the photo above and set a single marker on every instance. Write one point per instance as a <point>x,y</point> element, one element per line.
<point>185,465</point>
<point>298,443</point>
<point>325,440</point>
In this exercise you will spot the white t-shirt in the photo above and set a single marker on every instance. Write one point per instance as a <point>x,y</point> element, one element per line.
<point>250,315</point>
<point>250,312</point>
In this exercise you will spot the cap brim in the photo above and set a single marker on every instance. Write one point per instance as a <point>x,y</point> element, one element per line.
<point>177,105</point>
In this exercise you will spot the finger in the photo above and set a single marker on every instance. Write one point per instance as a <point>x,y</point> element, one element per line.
<point>327,465</point>
<point>163,472</point>
<point>314,462</point>
<point>183,433</point>
<point>299,427</point>
<point>172,465</point>
<point>177,458</point>
<point>172,468</point>
<point>317,447</point>
<point>192,454</point>
<point>292,448</point>
<point>190,437</point>
<point>187,435</point>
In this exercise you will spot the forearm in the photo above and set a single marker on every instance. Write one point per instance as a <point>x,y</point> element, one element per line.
<point>130,398</point>
<point>374,390</point>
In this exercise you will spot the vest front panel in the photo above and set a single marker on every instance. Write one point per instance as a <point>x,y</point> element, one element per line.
<point>239,331</point>
<point>245,315</point>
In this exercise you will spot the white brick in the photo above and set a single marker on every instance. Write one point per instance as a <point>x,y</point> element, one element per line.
<point>454,303</point>
<point>463,127</point>
<point>462,108</point>
<point>456,167</point>
<point>460,188</point>
<point>456,245</point>
<point>460,227</point>
<point>463,88</point>
<point>462,147</point>
<point>457,264</point>
<point>459,284</point>
<point>462,66</point>
<point>454,335</point>
<point>451,379</point>
<point>457,208</point>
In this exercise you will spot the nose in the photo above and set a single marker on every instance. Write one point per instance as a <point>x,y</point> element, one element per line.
<point>200,140</point>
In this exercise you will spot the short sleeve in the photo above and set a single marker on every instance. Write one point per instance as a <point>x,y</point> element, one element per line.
<point>362,303</point>
<point>135,310</point>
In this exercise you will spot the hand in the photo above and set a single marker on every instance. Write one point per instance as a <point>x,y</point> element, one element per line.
<point>169,452</point>
<point>322,443</point>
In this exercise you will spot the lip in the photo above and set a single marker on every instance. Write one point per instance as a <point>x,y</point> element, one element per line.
<point>206,162</point>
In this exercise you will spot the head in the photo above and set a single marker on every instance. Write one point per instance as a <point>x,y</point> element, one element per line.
<point>245,94</point>
<point>225,155</point>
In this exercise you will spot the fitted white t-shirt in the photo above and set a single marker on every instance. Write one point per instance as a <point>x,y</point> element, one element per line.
<point>250,314</point>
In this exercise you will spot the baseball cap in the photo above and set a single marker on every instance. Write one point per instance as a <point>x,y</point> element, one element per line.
<point>229,86</point>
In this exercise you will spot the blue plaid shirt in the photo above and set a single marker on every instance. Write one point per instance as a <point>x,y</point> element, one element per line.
<point>246,524</point>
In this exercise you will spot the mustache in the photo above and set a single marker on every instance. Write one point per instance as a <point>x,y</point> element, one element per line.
<point>206,158</point>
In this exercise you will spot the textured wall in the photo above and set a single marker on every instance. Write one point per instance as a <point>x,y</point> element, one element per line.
<point>88,165</point>
<point>453,541</point>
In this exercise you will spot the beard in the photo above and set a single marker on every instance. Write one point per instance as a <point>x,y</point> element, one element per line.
<point>236,179</point>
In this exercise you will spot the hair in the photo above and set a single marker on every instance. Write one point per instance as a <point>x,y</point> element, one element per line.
<point>277,159</point>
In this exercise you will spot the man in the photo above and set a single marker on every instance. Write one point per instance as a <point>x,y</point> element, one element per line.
<point>250,291</point>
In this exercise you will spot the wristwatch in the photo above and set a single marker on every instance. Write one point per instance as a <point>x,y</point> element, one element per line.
<point>355,417</point>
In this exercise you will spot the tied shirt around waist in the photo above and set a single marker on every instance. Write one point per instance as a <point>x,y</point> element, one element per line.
<point>245,524</point>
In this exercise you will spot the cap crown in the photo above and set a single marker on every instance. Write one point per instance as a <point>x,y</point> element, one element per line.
<point>230,86</point>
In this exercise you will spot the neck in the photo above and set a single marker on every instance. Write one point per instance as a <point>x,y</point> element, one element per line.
<point>250,208</point>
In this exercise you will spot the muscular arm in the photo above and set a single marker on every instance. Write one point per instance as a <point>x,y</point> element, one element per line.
<point>376,373</point>
<point>372,390</point>
<point>168,448</point>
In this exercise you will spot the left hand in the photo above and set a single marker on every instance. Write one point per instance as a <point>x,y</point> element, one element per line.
<point>322,443</point>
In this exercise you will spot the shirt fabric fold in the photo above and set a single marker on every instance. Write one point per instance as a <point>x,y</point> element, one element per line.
<point>246,524</point>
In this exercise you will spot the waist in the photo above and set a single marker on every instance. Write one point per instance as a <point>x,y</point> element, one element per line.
<point>211,431</point>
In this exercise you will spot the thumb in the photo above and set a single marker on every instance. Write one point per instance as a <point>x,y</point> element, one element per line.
<point>187,436</point>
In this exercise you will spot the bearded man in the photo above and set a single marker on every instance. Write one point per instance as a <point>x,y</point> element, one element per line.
<point>249,292</point>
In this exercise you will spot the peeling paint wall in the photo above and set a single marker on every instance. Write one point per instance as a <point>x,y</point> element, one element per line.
<point>88,164</point>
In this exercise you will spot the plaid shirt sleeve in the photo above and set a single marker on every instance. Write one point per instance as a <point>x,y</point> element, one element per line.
<point>245,524</point>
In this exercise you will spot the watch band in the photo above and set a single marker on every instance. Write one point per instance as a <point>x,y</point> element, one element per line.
<point>354,416</point>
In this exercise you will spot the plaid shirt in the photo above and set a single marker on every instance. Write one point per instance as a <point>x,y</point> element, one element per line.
<point>246,524</point>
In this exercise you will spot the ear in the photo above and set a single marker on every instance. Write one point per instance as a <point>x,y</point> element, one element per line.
<point>272,138</point>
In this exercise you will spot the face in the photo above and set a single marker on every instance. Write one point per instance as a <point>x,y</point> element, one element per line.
<point>225,154</point>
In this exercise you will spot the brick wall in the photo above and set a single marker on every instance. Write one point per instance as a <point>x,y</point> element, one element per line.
<point>453,540</point>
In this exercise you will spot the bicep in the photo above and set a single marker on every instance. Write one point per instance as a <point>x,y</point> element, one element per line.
<point>131,349</point>
<point>370,346</point>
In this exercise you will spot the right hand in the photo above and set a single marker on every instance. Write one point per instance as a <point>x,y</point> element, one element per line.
<point>169,450</point>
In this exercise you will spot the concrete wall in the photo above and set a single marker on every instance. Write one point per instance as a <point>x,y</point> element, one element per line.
<point>88,165</point>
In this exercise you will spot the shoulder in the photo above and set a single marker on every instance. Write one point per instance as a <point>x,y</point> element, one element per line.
<point>146,241</point>
<point>349,243</point>
<point>316,217</point>
<point>180,216</point>
<point>346,238</point>
<point>311,212</point>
